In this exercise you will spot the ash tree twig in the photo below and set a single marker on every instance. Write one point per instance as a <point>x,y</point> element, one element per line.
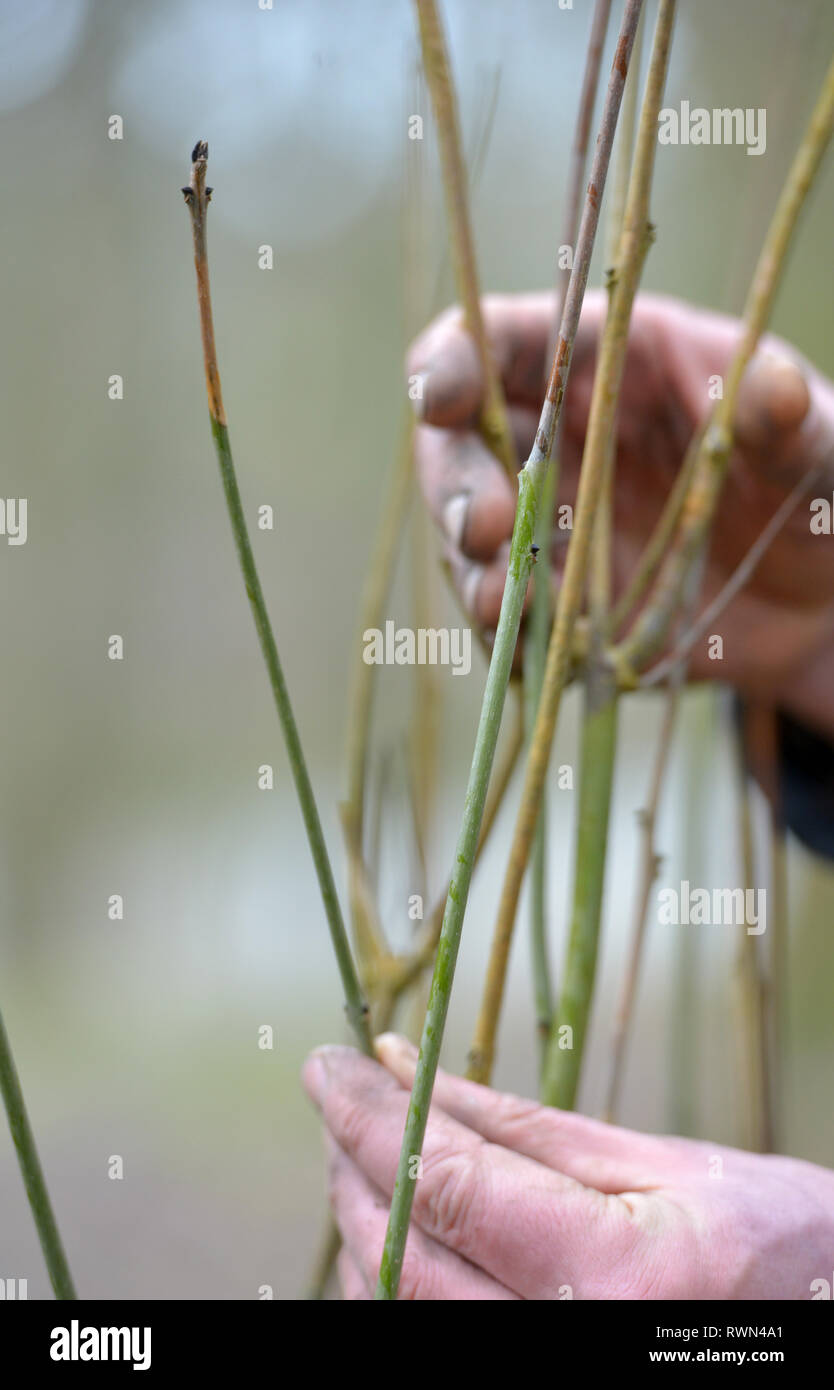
<point>197,197</point>
<point>600,708</point>
<point>530,482</point>
<point>563,1066</point>
<point>649,863</point>
<point>649,867</point>
<point>579,152</point>
<point>762,751</point>
<point>751,986</point>
<point>495,424</point>
<point>600,714</point>
<point>611,359</point>
<point>32,1172</point>
<point>538,630</point>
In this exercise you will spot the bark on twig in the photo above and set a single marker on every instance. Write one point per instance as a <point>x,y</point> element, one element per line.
<point>519,567</point>
<point>197,197</point>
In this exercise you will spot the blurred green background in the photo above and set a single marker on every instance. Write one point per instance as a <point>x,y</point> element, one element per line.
<point>138,777</point>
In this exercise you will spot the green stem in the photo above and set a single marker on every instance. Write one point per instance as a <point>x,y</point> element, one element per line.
<point>530,482</point>
<point>447,950</point>
<point>590,871</point>
<point>32,1173</point>
<point>355,1006</point>
<point>535,653</point>
<point>637,235</point>
<point>541,614</point>
<point>629,218</point>
<point>197,197</point>
<point>599,740</point>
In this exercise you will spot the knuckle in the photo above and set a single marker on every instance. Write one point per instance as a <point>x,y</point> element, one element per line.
<point>418,1279</point>
<point>519,1114</point>
<point>448,1190</point>
<point>350,1123</point>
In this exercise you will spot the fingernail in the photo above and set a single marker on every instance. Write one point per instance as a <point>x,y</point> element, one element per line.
<point>390,1047</point>
<point>788,395</point>
<point>316,1075</point>
<point>470,585</point>
<point>454,518</point>
<point>774,396</point>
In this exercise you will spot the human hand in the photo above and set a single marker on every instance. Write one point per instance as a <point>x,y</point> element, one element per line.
<point>778,633</point>
<point>518,1200</point>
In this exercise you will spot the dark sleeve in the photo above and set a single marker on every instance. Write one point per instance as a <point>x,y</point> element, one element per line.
<point>807,791</point>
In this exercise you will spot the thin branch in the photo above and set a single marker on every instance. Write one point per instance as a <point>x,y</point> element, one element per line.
<point>518,573</point>
<point>406,970</point>
<point>495,424</point>
<point>197,197</point>
<point>761,740</point>
<point>579,151</point>
<point>649,868</point>
<point>741,575</point>
<point>330,1243</point>
<point>752,1037</point>
<point>538,630</point>
<point>367,927</point>
<point>713,457</point>
<point>649,861</point>
<point>635,243</point>
<point>368,932</point>
<point>565,1049</point>
<point>32,1172</point>
<point>377,584</point>
<point>535,652</point>
<point>598,741</point>
<point>599,712</point>
<point>365,917</point>
<point>682,1042</point>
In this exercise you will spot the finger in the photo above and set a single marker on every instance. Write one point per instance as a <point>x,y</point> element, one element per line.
<point>430,1271</point>
<point>481,587</point>
<point>354,1288</point>
<point>527,1226</point>
<point>445,359</point>
<point>593,1153</point>
<point>773,400</point>
<point>784,418</point>
<point>518,329</point>
<point>783,426</point>
<point>466,490</point>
